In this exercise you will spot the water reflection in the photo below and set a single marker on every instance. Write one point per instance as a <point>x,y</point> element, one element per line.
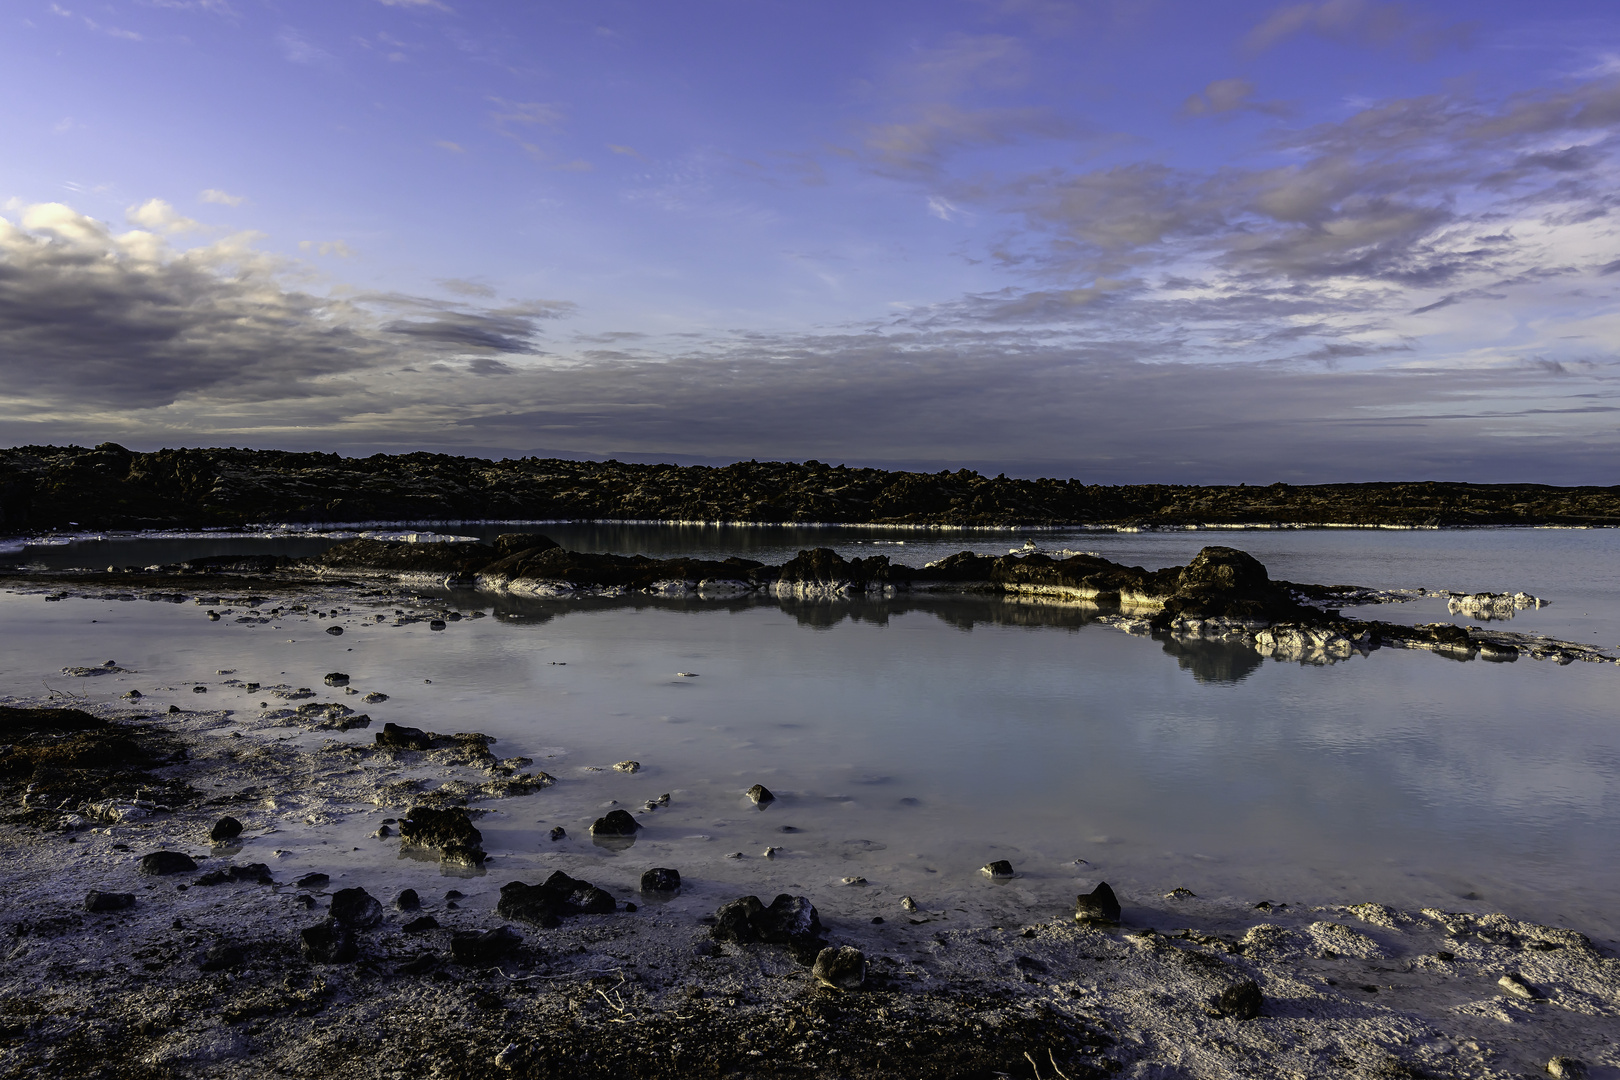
<point>1213,661</point>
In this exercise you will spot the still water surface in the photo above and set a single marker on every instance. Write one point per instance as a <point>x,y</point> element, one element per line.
<point>911,741</point>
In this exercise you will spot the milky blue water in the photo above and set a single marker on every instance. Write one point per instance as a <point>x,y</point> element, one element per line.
<point>913,740</point>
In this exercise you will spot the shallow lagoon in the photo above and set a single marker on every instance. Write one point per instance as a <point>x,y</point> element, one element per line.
<point>911,741</point>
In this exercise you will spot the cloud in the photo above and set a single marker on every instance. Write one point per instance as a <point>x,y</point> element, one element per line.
<point>415,4</point>
<point>1362,22</point>
<point>454,148</point>
<point>463,287</point>
<point>94,320</point>
<point>327,247</point>
<point>1229,95</point>
<point>221,198</point>
<point>299,50</point>
<point>160,216</point>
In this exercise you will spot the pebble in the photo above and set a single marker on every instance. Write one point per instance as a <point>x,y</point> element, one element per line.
<point>770,852</point>
<point>356,908</point>
<point>407,901</point>
<point>166,862</point>
<point>1001,868</point>
<point>1516,986</point>
<point>615,823</point>
<point>421,925</point>
<point>1567,1068</point>
<point>661,879</point>
<point>853,881</point>
<point>628,766</point>
<point>98,901</point>
<point>1179,893</point>
<point>1241,1000</point>
<point>328,943</point>
<point>226,828</point>
<point>336,678</point>
<point>313,881</point>
<point>558,832</point>
<point>908,904</point>
<point>760,794</point>
<point>335,631</point>
<point>1100,905</point>
<point>436,624</point>
<point>374,698</point>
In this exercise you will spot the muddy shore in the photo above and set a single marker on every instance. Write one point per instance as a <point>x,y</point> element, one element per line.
<point>208,972</point>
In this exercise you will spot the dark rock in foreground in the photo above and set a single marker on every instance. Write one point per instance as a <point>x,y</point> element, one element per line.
<point>482,948</point>
<point>615,823</point>
<point>790,920</point>
<point>841,969</point>
<point>97,901</point>
<point>166,862</point>
<point>451,831</point>
<point>355,908</point>
<point>328,943</point>
<point>661,880</point>
<point>226,828</point>
<point>558,898</point>
<point>1097,906</point>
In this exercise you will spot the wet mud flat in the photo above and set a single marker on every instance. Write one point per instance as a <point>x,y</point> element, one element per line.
<point>222,959</point>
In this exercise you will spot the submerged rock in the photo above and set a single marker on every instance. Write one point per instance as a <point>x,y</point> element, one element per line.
<point>1097,906</point>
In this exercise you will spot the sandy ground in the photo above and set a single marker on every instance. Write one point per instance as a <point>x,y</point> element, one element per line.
<point>211,980</point>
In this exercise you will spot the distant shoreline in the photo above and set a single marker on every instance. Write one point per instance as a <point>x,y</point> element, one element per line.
<point>46,489</point>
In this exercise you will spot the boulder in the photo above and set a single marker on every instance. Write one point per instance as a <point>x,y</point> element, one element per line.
<point>166,862</point>
<point>1098,906</point>
<point>661,880</point>
<point>407,901</point>
<point>450,830</point>
<point>1241,1001</point>
<point>226,828</point>
<point>484,947</point>
<point>615,823</point>
<point>396,737</point>
<point>789,920</point>
<point>328,943</point>
<point>1001,868</point>
<point>97,901</point>
<point>557,898</point>
<point>760,794</point>
<point>356,908</point>
<point>336,678</point>
<point>840,969</point>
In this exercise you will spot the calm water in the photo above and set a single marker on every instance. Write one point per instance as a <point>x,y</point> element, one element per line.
<point>912,741</point>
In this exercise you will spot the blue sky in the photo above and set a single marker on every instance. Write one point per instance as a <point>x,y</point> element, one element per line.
<point>1128,241</point>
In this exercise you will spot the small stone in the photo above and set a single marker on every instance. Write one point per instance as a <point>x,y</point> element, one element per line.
<point>615,823</point>
<point>328,943</point>
<point>760,794</point>
<point>313,881</point>
<point>516,1057</point>
<point>661,879</point>
<point>166,862</point>
<point>1567,1068</point>
<point>484,947</point>
<point>558,832</point>
<point>258,873</point>
<point>174,708</point>
<point>199,689</point>
<point>407,901</point>
<point>98,901</point>
<point>1097,906</point>
<point>1179,893</point>
<point>1001,868</point>
<point>1241,1000</point>
<point>374,698</point>
<point>226,828</point>
<point>221,956</point>
<point>770,852</point>
<point>133,695</point>
<point>908,904</point>
<point>853,881</point>
<point>383,832</point>
<point>421,925</point>
<point>435,624</point>
<point>335,631</point>
<point>663,800</point>
<point>628,766</point>
<point>1516,986</point>
<point>336,678</point>
<point>356,908</point>
<point>841,969</point>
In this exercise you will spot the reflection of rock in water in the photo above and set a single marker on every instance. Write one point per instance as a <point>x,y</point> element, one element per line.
<point>1213,661</point>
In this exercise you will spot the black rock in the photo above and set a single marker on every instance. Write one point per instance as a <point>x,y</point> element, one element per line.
<point>483,947</point>
<point>841,969</point>
<point>166,862</point>
<point>226,828</point>
<point>1097,906</point>
<point>436,624</point>
<point>376,697</point>
<point>335,631</point>
<point>313,881</point>
<point>558,898</point>
<point>1241,1001</point>
<point>558,832</point>
<point>355,908</point>
<point>407,901</point>
<point>257,873</point>
<point>1001,868</point>
<point>336,678</point>
<point>661,880</point>
<point>451,831</point>
<point>512,543</point>
<point>328,943</point>
<point>404,738</point>
<point>305,901</point>
<point>96,900</point>
<point>789,920</point>
<point>615,823</point>
<point>421,925</point>
<point>174,708</point>
<point>760,794</point>
<point>221,956</point>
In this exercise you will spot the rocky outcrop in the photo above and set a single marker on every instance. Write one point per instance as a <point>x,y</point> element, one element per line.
<point>109,486</point>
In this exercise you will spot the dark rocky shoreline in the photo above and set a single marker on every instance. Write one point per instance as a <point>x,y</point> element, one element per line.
<point>44,488</point>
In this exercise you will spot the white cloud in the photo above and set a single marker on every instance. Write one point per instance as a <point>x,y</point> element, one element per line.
<point>415,4</point>
<point>327,247</point>
<point>158,215</point>
<point>214,195</point>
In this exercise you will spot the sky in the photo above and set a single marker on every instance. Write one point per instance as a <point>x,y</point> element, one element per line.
<point>1120,240</point>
